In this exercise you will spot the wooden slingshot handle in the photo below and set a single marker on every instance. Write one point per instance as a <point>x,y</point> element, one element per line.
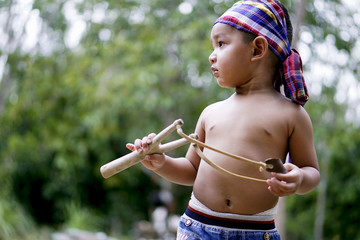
<point>135,157</point>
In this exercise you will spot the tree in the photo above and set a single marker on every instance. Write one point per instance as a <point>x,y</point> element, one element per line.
<point>73,109</point>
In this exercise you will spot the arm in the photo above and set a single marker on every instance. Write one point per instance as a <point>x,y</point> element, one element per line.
<point>303,172</point>
<point>176,170</point>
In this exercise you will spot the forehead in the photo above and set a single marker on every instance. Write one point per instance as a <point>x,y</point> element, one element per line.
<point>223,30</point>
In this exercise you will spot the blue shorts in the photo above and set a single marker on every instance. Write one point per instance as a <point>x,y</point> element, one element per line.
<point>197,225</point>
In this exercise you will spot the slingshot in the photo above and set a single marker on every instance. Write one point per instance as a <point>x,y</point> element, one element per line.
<point>124,162</point>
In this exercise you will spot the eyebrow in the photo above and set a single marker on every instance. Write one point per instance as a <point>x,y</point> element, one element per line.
<point>218,35</point>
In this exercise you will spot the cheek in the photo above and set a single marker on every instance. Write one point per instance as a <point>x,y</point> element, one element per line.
<point>224,61</point>
<point>229,65</point>
<point>229,58</point>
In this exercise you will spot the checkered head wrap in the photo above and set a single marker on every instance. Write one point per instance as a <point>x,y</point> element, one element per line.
<point>266,18</point>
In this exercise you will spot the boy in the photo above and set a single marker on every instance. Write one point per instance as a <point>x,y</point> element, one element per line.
<point>251,54</point>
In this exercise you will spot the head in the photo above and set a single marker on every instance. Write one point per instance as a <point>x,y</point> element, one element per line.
<point>266,18</point>
<point>267,22</point>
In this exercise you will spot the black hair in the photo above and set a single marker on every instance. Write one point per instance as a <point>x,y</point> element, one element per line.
<point>288,21</point>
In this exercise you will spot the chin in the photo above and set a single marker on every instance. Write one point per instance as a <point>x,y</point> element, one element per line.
<point>223,85</point>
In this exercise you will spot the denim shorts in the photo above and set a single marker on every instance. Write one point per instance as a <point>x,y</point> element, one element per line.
<point>196,226</point>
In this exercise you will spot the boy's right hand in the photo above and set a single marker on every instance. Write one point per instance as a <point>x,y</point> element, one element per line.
<point>153,161</point>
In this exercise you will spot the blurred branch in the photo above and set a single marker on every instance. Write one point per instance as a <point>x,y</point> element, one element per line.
<point>4,82</point>
<point>299,19</point>
<point>321,198</point>
<point>12,43</point>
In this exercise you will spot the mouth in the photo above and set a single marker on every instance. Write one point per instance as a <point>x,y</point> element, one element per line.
<point>215,71</point>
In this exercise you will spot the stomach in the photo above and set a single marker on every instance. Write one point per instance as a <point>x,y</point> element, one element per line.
<point>223,192</point>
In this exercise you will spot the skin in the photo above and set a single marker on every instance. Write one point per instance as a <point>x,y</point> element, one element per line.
<point>256,122</point>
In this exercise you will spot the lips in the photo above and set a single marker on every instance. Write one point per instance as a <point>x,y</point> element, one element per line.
<point>215,71</point>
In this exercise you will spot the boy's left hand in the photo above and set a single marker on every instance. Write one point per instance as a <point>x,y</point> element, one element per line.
<point>284,184</point>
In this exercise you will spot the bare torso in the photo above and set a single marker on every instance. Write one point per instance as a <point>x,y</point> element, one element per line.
<point>255,127</point>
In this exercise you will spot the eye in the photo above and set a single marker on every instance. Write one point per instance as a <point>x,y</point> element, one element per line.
<point>221,43</point>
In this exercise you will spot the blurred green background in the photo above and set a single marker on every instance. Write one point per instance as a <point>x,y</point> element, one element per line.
<point>79,79</point>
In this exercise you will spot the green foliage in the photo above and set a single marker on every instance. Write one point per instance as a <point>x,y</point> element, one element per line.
<point>344,190</point>
<point>80,217</point>
<point>300,215</point>
<point>73,111</point>
<point>14,221</point>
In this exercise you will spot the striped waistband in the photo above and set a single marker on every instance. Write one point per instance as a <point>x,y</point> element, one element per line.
<point>229,223</point>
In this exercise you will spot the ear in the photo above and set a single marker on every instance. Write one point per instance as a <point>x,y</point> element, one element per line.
<point>260,48</point>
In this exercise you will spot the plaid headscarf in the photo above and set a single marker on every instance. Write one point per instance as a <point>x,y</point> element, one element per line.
<point>266,18</point>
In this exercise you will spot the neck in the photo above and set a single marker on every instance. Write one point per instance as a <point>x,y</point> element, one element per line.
<point>262,77</point>
<point>263,84</point>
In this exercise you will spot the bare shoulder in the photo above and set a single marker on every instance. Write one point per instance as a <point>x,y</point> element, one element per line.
<point>293,112</point>
<point>214,105</point>
<point>299,117</point>
<point>211,109</point>
<point>205,114</point>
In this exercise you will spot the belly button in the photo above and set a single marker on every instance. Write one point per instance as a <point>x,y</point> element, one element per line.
<point>228,202</point>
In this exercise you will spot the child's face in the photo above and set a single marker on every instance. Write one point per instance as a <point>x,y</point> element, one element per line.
<point>231,58</point>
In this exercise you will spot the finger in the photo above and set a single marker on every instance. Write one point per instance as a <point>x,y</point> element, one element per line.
<point>151,136</point>
<point>276,192</point>
<point>145,143</point>
<point>281,188</point>
<point>280,176</point>
<point>138,145</point>
<point>130,146</point>
<point>273,191</point>
<point>150,163</point>
<point>147,163</point>
<point>147,140</point>
<point>290,176</point>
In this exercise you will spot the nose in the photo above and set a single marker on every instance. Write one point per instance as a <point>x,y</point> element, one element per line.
<point>212,58</point>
